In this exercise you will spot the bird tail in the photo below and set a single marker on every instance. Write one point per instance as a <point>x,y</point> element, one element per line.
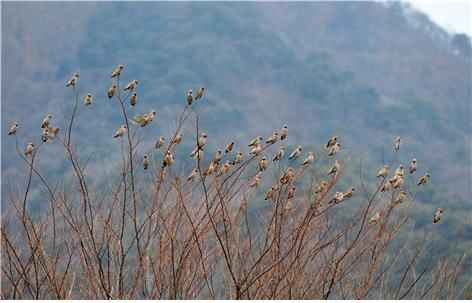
<point>115,136</point>
<point>10,133</point>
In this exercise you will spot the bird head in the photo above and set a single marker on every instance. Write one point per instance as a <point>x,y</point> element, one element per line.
<point>113,85</point>
<point>49,116</point>
<point>427,175</point>
<point>204,135</point>
<point>414,160</point>
<point>89,95</point>
<point>285,126</point>
<point>75,74</point>
<point>121,66</point>
<point>135,81</point>
<point>440,209</point>
<point>134,94</point>
<point>264,158</point>
<point>124,126</point>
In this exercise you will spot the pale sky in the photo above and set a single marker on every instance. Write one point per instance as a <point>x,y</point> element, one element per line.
<point>454,16</point>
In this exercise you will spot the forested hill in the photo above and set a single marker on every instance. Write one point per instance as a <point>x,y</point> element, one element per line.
<point>364,71</point>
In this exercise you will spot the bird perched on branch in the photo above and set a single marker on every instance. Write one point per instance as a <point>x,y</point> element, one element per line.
<point>309,159</point>
<point>229,147</point>
<point>117,71</point>
<point>383,172</point>
<point>88,99</point>
<point>189,97</point>
<point>134,99</point>
<point>296,153</point>
<point>398,143</point>
<point>46,121</point>
<point>217,157</point>
<point>256,181</point>
<point>338,197</point>
<point>335,168</point>
<point>398,182</point>
<point>29,149</point>
<point>287,177</point>
<point>121,131</point>
<point>400,198</point>
<point>202,140</point>
<point>73,80</point>
<point>334,149</point>
<point>291,193</point>
<point>13,128</point>
<point>350,192</point>
<point>270,193</point>
<point>256,150</point>
<point>132,85</point>
<point>45,134</point>
<point>224,169</point>
<point>262,164</point>
<point>178,138</point>
<point>111,90</point>
<point>413,166</point>
<point>375,219</point>
<point>424,180</point>
<point>255,141</point>
<point>192,175</point>
<point>145,162</point>
<point>211,169</point>
<point>399,171</point>
<point>438,215</point>
<point>385,187</point>
<point>160,142</point>
<point>279,154</point>
<point>322,188</point>
<point>283,132</point>
<point>200,93</point>
<point>272,139</point>
<point>238,158</point>
<point>53,132</point>
<point>168,159</point>
<point>331,142</point>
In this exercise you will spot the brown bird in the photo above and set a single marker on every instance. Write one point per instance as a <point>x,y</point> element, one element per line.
<point>399,171</point>
<point>335,168</point>
<point>309,159</point>
<point>322,188</point>
<point>279,154</point>
<point>73,80</point>
<point>438,215</point>
<point>200,93</point>
<point>400,198</point>
<point>255,141</point>
<point>283,132</point>
<point>334,149</point>
<point>45,134</point>
<point>375,219</point>
<point>331,142</point>
<point>256,181</point>
<point>287,177</point>
<point>211,169</point>
<point>413,166</point>
<point>134,99</point>
<point>202,140</point>
<point>224,168</point>
<point>350,192</point>
<point>88,99</point>
<point>217,157</point>
<point>132,85</point>
<point>178,138</point>
<point>117,71</point>
<point>291,193</point>
<point>46,121</point>
<point>120,132</point>
<point>296,153</point>
<point>238,158</point>
<point>262,164</point>
<point>270,193</point>
<point>399,182</point>
<point>229,147</point>
<point>160,142</point>
<point>383,172</point>
<point>385,187</point>
<point>168,159</point>
<point>111,90</point>
<point>398,143</point>
<point>272,139</point>
<point>29,149</point>
<point>145,162</point>
<point>338,197</point>
<point>54,132</point>
<point>424,179</point>
<point>256,150</point>
<point>189,96</point>
<point>13,128</point>
<point>192,175</point>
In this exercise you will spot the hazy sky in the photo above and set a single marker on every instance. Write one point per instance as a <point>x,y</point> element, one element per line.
<point>454,16</point>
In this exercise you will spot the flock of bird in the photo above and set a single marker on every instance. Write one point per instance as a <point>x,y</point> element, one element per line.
<point>256,145</point>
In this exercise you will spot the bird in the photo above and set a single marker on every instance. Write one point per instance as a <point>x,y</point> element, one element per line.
<point>287,177</point>
<point>229,147</point>
<point>383,172</point>
<point>121,131</point>
<point>145,119</point>
<point>272,139</point>
<point>399,182</point>
<point>73,80</point>
<point>309,159</point>
<point>322,188</point>
<point>331,142</point>
<point>270,193</point>
<point>168,159</point>
<point>53,132</point>
<point>111,90</point>
<point>29,149</point>
<point>291,193</point>
<point>211,169</point>
<point>350,192</point>
<point>46,121</point>
<point>117,71</point>
<point>131,85</point>
<point>283,132</point>
<point>200,93</point>
<point>334,149</point>
<point>335,168</point>
<point>279,154</point>
<point>217,157</point>
<point>398,143</point>
<point>438,215</point>
<point>45,134</point>
<point>160,142</point>
<point>338,197</point>
<point>256,150</point>
<point>202,140</point>
<point>294,155</point>
<point>88,99</point>
<point>393,179</point>
<point>413,166</point>
<point>400,198</point>
<point>238,157</point>
<point>192,175</point>
<point>385,187</point>
<point>255,181</point>
<point>145,162</point>
<point>178,138</point>
<point>189,96</point>
<point>424,180</point>
<point>255,141</point>
<point>375,219</point>
<point>224,168</point>
<point>134,99</point>
<point>262,164</point>
<point>399,171</point>
<point>13,128</point>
